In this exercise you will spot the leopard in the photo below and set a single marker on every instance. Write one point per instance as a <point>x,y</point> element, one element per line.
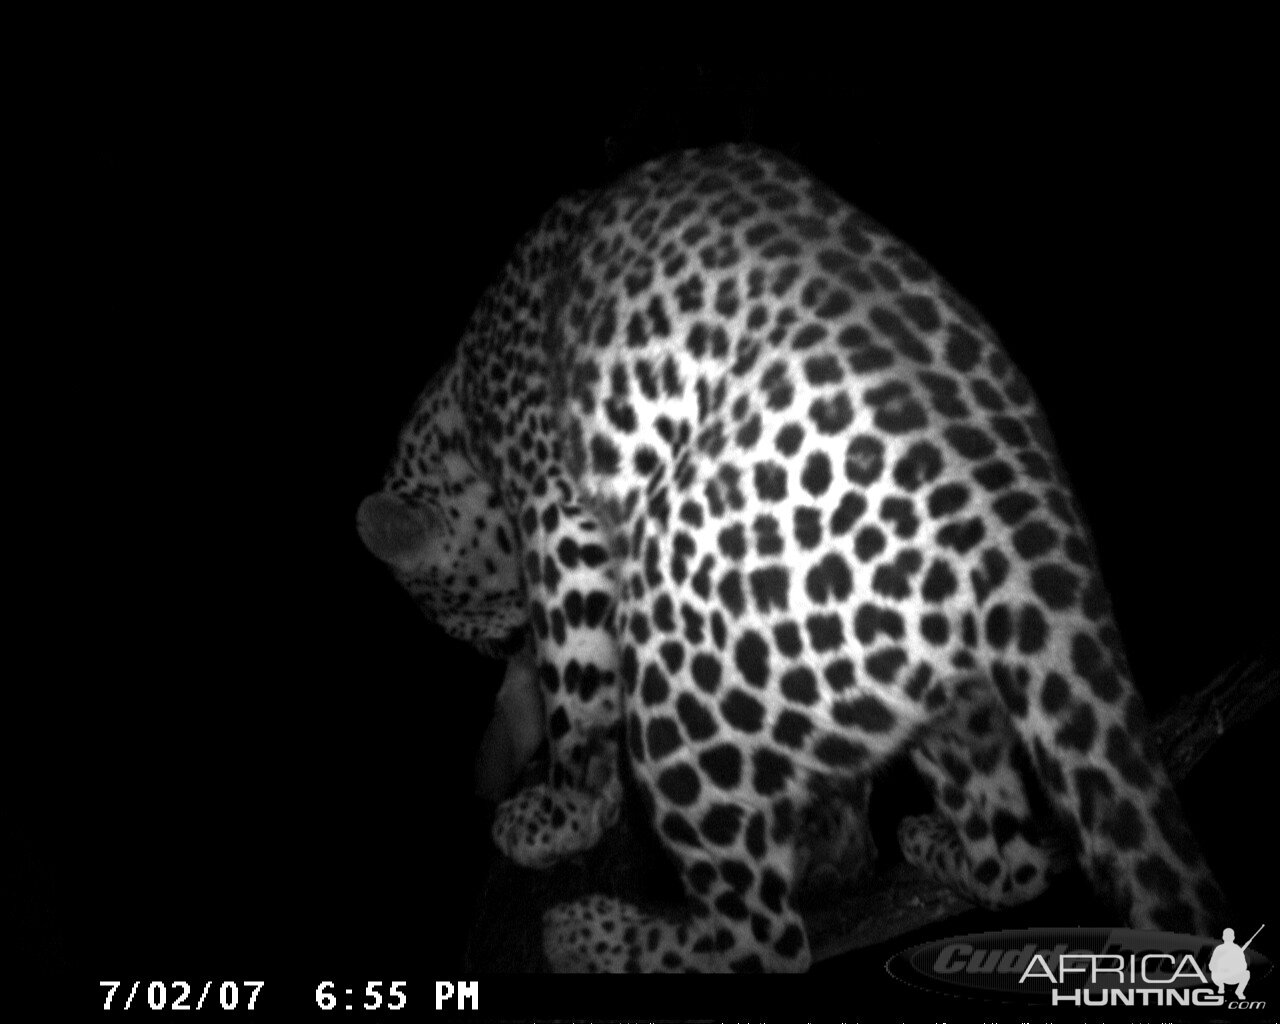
<point>835,848</point>
<point>773,507</point>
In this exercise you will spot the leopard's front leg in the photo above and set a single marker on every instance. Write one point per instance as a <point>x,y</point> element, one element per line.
<point>571,592</point>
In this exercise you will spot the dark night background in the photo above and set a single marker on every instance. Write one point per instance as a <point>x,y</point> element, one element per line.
<point>253,750</point>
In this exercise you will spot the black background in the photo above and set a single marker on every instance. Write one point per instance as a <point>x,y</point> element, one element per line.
<point>251,749</point>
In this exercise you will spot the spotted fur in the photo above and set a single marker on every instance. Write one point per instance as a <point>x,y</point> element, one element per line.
<point>775,506</point>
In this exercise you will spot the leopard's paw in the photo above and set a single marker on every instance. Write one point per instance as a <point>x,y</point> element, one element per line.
<point>540,825</point>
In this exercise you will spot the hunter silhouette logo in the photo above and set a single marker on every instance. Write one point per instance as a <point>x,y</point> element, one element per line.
<point>1227,965</point>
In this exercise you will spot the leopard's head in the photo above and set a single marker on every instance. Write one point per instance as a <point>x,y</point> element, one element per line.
<point>451,544</point>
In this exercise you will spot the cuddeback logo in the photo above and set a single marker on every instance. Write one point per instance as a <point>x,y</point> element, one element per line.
<point>1081,967</point>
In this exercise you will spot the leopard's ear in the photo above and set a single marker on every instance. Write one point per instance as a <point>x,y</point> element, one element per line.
<point>391,529</point>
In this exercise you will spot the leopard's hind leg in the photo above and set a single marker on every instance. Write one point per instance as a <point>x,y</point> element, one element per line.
<point>985,840</point>
<point>1062,676</point>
